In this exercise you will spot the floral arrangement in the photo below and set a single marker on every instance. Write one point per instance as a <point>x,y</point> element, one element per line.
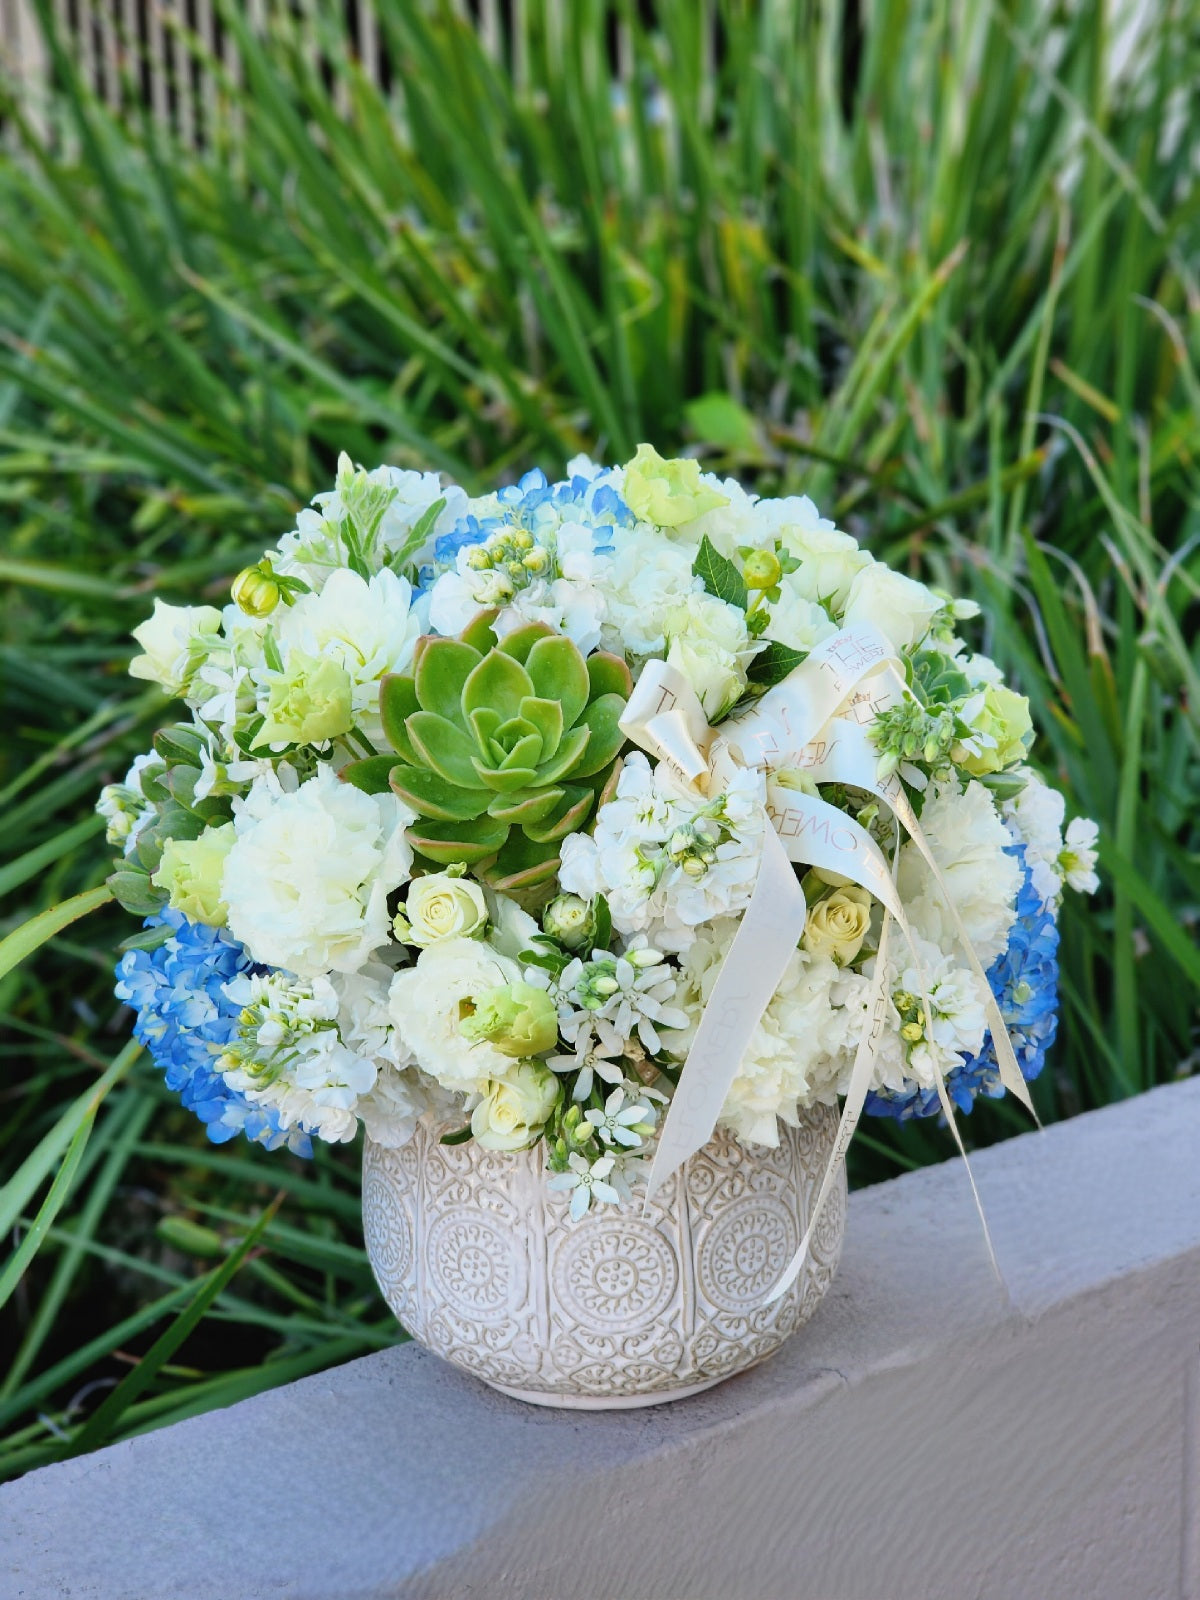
<point>471,799</point>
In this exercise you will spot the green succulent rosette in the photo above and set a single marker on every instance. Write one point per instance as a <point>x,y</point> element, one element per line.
<point>502,747</point>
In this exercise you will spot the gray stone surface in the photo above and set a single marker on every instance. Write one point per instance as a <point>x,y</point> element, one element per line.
<point>924,1436</point>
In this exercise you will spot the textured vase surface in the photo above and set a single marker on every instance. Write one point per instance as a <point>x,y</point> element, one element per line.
<point>629,1306</point>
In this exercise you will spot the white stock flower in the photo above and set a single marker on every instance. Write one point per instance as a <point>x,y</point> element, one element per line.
<point>429,1001</point>
<point>1078,856</point>
<point>620,1000</point>
<point>956,999</point>
<point>175,640</point>
<point>308,877</point>
<point>369,627</point>
<point>666,858</point>
<point>971,846</point>
<point>898,607</point>
<point>291,1057</point>
<point>1036,816</point>
<point>124,806</point>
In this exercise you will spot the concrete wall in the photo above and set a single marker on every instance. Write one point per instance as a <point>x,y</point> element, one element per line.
<point>925,1436</point>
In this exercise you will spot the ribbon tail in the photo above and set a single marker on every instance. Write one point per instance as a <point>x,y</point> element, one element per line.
<point>856,1098</point>
<point>755,963</point>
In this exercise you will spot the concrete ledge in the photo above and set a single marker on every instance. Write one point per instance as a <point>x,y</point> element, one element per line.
<point>922,1437</point>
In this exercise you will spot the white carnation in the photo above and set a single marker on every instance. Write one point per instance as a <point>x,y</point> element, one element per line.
<point>427,1003</point>
<point>308,877</point>
<point>971,845</point>
<point>802,1048</point>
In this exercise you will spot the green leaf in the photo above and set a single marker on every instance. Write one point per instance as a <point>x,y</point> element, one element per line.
<point>608,674</point>
<point>773,663</point>
<point>459,1137</point>
<point>23,941</point>
<point>133,890</point>
<point>521,640</point>
<point>418,534</point>
<point>719,575</point>
<point>569,815</point>
<point>447,842</point>
<point>479,633</point>
<point>397,701</point>
<point>444,748</point>
<point>371,774</point>
<point>718,419</point>
<point>14,1268</point>
<point>569,752</point>
<point>601,719</point>
<point>547,718</point>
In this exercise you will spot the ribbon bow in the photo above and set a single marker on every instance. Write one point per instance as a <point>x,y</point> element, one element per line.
<point>817,721</point>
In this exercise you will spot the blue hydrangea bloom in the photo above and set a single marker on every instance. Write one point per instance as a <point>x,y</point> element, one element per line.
<point>539,507</point>
<point>1024,980</point>
<point>185,1021</point>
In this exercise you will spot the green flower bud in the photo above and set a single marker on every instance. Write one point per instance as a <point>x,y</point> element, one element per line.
<point>568,919</point>
<point>536,561</point>
<point>911,1032</point>
<point>256,590</point>
<point>762,569</point>
<point>478,559</point>
<point>521,540</point>
<point>516,1018</point>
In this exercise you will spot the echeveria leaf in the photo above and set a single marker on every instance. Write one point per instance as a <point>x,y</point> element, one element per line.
<point>430,795</point>
<point>443,747</point>
<point>608,674</point>
<point>498,683</point>
<point>557,671</point>
<point>526,806</point>
<point>441,670</point>
<point>568,817</point>
<point>562,763</point>
<point>397,701</point>
<point>521,640</point>
<point>601,719</point>
<point>446,842</point>
<point>546,716</point>
<point>479,632</point>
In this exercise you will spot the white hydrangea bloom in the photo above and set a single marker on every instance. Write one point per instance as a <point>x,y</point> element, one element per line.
<point>428,1001</point>
<point>971,845</point>
<point>646,576</point>
<point>666,858</point>
<point>309,875</point>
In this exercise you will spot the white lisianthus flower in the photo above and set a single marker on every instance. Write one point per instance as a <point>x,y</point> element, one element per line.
<point>796,620</point>
<point>829,559</point>
<point>175,640</point>
<point>1036,817</point>
<point>308,877</point>
<point>971,846</point>
<point>369,627</point>
<point>440,906</point>
<point>898,607</point>
<point>1078,856</point>
<point>428,1003</point>
<point>666,858</point>
<point>709,642</point>
<point>645,578</point>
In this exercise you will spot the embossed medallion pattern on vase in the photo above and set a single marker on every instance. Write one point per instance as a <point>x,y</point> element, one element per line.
<point>481,1263</point>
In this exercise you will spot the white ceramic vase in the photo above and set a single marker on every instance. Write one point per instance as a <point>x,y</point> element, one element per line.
<point>626,1307</point>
